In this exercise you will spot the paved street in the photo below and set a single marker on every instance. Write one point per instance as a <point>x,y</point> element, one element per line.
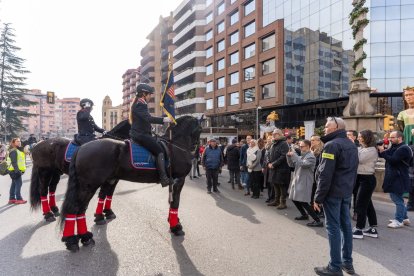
<point>226,234</point>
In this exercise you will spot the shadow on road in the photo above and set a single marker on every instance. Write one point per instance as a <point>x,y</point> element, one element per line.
<point>96,260</point>
<point>6,207</point>
<point>187,266</point>
<point>235,208</point>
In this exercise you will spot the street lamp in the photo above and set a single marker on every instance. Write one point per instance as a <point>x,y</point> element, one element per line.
<point>257,122</point>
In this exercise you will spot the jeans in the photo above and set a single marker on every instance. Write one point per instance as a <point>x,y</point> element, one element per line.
<point>245,180</point>
<point>194,167</point>
<point>234,176</point>
<point>401,209</point>
<point>364,206</point>
<point>15,188</point>
<point>338,220</point>
<point>212,179</point>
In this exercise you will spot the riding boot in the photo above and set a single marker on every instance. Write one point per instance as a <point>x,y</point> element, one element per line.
<point>164,179</point>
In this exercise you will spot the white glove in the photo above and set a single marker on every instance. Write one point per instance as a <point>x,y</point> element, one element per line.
<point>105,132</point>
<point>166,120</point>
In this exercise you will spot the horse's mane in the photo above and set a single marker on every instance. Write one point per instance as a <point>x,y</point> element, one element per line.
<point>121,130</point>
<point>184,124</point>
<point>119,126</point>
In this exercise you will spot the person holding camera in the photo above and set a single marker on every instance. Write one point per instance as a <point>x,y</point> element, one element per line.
<point>17,160</point>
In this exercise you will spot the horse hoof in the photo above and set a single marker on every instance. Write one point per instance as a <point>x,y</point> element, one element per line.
<point>55,211</point>
<point>109,214</point>
<point>72,247</point>
<point>49,217</point>
<point>71,243</point>
<point>91,242</point>
<point>177,230</point>
<point>87,239</point>
<point>99,219</point>
<point>179,233</point>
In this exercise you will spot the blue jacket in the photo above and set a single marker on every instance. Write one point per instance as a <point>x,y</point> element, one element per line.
<point>243,155</point>
<point>396,179</point>
<point>337,170</point>
<point>212,158</point>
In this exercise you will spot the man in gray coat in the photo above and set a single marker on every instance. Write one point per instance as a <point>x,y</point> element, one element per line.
<point>302,182</point>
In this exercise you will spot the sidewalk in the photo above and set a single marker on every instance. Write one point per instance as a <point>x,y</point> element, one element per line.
<point>380,196</point>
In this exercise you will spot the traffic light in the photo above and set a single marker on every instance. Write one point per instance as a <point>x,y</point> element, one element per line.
<point>297,133</point>
<point>389,122</point>
<point>50,97</point>
<point>302,131</point>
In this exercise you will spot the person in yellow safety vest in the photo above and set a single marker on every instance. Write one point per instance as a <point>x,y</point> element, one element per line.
<point>17,167</point>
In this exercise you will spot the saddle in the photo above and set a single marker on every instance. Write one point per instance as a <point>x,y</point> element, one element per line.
<point>70,149</point>
<point>143,159</point>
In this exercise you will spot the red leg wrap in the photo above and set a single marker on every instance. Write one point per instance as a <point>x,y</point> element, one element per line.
<point>99,208</point>
<point>45,204</point>
<point>69,229</point>
<point>52,200</point>
<point>173,217</point>
<point>108,202</point>
<point>81,223</point>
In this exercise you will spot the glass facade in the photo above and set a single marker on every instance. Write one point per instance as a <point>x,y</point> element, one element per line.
<point>318,46</point>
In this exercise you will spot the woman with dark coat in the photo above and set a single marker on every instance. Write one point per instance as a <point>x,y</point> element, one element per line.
<point>233,159</point>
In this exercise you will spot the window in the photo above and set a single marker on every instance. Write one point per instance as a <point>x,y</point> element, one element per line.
<point>234,98</point>
<point>209,87</point>
<point>249,7</point>
<point>234,38</point>
<point>209,17</point>
<point>249,29</point>
<point>249,95</point>
<point>268,66</point>
<point>249,51</point>
<point>220,64</point>
<point>209,69</point>
<point>232,1</point>
<point>269,91</point>
<point>208,2</point>
<point>234,58</point>
<point>220,9</point>
<point>221,82</point>
<point>249,73</point>
<point>209,52</point>
<point>234,78</point>
<point>220,46</point>
<point>209,104</point>
<point>209,35</point>
<point>220,101</point>
<point>268,42</point>
<point>220,27</point>
<point>234,18</point>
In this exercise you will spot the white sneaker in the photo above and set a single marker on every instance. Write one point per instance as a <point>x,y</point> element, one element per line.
<point>406,222</point>
<point>395,224</point>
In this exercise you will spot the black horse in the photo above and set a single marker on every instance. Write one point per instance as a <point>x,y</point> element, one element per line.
<point>104,162</point>
<point>49,164</point>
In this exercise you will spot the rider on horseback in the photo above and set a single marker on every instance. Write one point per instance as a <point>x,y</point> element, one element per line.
<point>141,120</point>
<point>86,124</point>
<point>31,141</point>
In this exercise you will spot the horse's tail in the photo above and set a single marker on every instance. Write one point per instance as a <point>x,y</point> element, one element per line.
<point>69,204</point>
<point>35,188</point>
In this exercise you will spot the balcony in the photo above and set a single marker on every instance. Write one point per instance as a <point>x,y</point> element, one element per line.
<point>188,58</point>
<point>186,15</point>
<point>189,102</point>
<point>189,72</point>
<point>189,86</point>
<point>188,43</point>
<point>180,7</point>
<point>184,31</point>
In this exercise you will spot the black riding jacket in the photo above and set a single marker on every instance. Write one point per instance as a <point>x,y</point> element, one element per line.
<point>86,124</point>
<point>142,119</point>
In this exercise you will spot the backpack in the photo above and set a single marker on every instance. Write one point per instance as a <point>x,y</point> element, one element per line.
<point>4,165</point>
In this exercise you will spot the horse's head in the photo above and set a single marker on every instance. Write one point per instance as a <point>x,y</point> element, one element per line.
<point>187,127</point>
<point>120,131</point>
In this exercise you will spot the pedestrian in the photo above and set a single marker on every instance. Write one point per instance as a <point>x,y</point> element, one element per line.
<point>3,152</point>
<point>261,144</point>
<point>410,203</point>
<point>301,188</point>
<point>243,164</point>
<point>194,165</point>
<point>316,148</point>
<point>279,173</point>
<point>17,160</point>
<point>254,168</point>
<point>266,170</point>
<point>212,163</point>
<point>366,181</point>
<point>336,175</point>
<point>233,161</point>
<point>396,180</point>
<point>352,135</point>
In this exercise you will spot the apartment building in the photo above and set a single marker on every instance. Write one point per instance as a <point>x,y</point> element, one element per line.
<point>69,107</point>
<point>130,79</point>
<point>189,56</point>
<point>111,115</point>
<point>154,62</point>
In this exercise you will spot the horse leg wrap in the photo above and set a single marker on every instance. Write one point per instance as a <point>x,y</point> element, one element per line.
<point>108,202</point>
<point>99,208</point>
<point>71,243</point>
<point>81,224</point>
<point>69,229</point>
<point>173,217</point>
<point>52,200</point>
<point>45,205</point>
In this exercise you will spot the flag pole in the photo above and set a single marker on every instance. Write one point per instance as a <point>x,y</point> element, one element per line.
<point>170,187</point>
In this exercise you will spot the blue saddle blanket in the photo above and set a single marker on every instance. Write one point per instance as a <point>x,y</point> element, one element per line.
<point>70,149</point>
<point>141,158</point>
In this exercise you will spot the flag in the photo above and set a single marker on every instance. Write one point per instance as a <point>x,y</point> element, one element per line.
<point>168,96</point>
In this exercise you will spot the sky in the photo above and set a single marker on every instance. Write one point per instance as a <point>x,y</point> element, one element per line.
<point>81,48</point>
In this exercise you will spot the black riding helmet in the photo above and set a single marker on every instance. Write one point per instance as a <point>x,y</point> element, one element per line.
<point>144,88</point>
<point>86,103</point>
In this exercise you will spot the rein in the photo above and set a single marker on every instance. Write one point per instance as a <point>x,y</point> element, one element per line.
<point>168,141</point>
